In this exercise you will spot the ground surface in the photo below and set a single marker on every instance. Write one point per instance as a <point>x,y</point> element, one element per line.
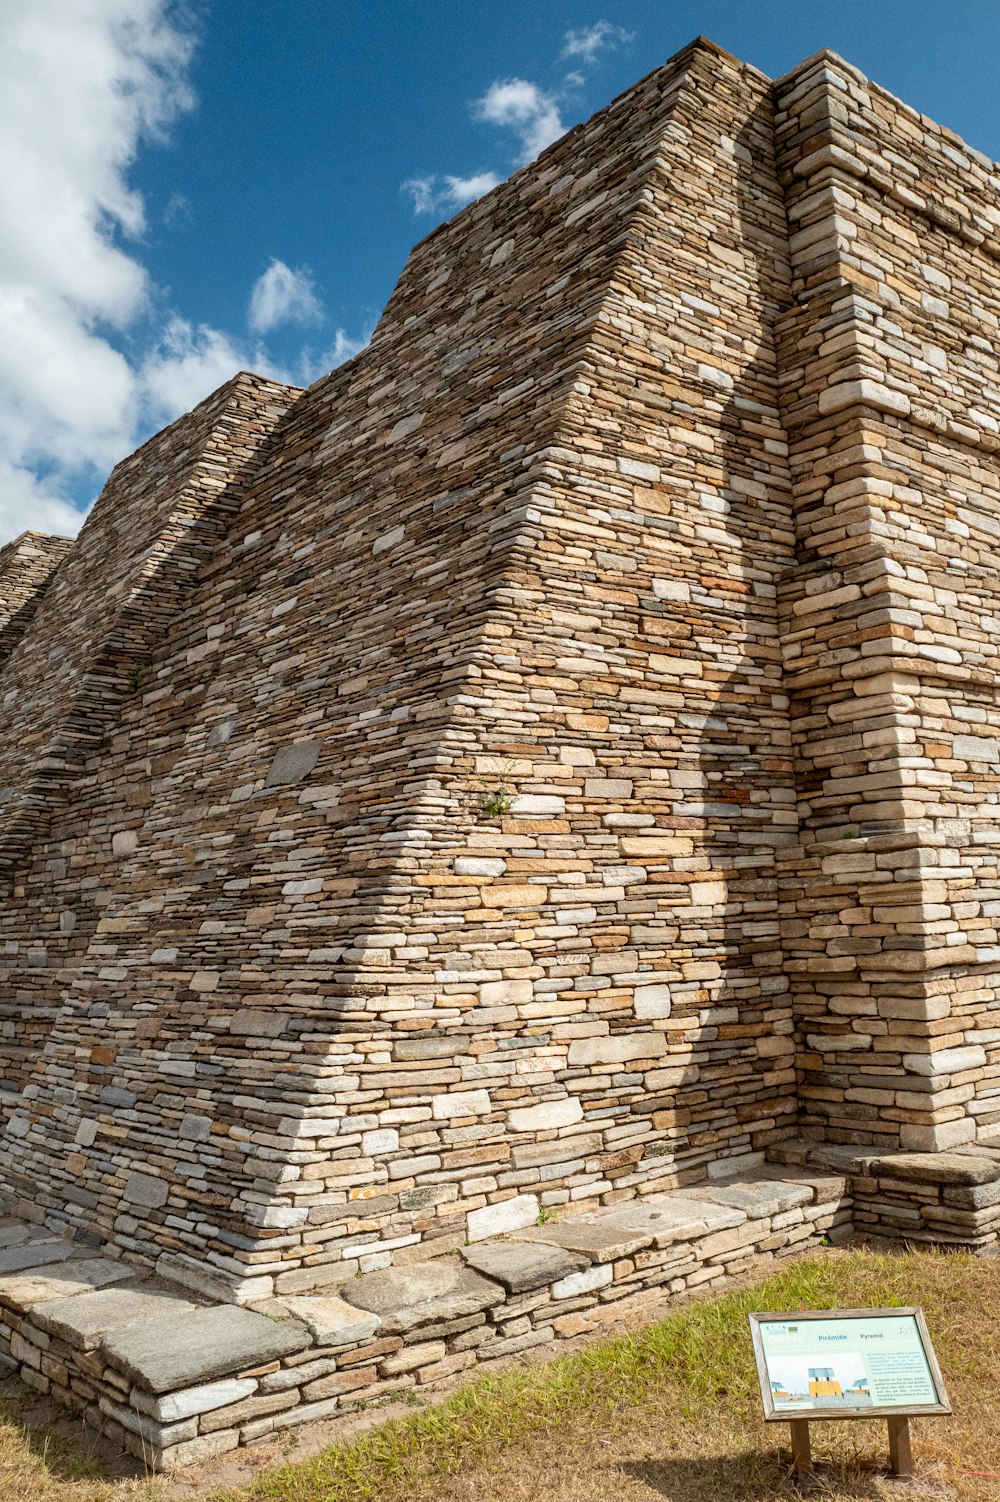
<point>670,1411</point>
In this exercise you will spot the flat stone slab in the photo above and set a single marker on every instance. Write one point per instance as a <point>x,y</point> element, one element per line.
<point>936,1168</point>
<point>521,1267</point>
<point>669,1219</point>
<point>12,1232</point>
<point>14,1259</point>
<point>84,1320</point>
<point>330,1321</point>
<point>825,1186</point>
<point>758,1199</point>
<point>712,1216</point>
<point>425,1293</point>
<point>22,1291</point>
<point>833,1155</point>
<point>168,1353</point>
<point>602,1236</point>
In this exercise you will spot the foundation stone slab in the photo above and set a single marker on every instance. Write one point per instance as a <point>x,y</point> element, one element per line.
<point>166,1353</point>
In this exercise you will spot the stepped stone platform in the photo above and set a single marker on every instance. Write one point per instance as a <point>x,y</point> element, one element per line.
<point>174,1379</point>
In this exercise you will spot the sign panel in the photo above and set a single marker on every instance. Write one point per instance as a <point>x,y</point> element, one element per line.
<point>853,1363</point>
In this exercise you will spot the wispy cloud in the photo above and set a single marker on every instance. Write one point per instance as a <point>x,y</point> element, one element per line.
<point>441,193</point>
<point>587,42</point>
<point>281,295</point>
<point>524,108</point>
<point>532,113</point>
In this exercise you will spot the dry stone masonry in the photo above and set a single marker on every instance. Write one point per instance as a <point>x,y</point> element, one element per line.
<point>552,762</point>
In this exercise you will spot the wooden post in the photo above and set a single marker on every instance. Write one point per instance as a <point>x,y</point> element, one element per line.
<point>801,1450</point>
<point>900,1454</point>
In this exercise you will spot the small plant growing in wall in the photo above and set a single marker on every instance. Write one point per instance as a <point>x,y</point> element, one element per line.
<point>496,801</point>
<point>545,1215</point>
<point>137,676</point>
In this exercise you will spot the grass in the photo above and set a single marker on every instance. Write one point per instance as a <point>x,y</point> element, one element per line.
<point>672,1412</point>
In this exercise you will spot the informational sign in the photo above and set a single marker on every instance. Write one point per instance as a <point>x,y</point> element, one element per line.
<point>855,1363</point>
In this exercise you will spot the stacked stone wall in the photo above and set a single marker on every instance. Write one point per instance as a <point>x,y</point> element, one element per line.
<point>459,787</point>
<point>26,568</point>
<point>891,402</point>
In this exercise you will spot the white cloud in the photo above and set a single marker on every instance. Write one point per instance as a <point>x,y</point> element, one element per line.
<point>588,41</point>
<point>281,295</point>
<point>430,194</point>
<point>185,365</point>
<point>83,83</point>
<point>90,364</point>
<point>526,109</point>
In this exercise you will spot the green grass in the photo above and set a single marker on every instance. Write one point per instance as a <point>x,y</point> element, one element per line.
<point>701,1355</point>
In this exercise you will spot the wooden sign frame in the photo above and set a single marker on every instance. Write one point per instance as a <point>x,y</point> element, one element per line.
<point>897,1414</point>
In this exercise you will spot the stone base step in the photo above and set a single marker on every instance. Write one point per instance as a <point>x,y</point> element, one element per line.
<point>176,1379</point>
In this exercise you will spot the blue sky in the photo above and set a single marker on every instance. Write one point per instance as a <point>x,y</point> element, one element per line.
<point>189,189</point>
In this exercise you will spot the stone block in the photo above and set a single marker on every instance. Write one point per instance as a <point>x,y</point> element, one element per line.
<point>40,1253</point>
<point>601,1236</point>
<point>331,1321</point>
<point>521,1267</point>
<point>84,1320</point>
<point>40,1285</point>
<point>165,1353</point>
<point>587,1281</point>
<point>547,1116</point>
<point>507,1215</point>
<point>174,1406</point>
<point>145,1190</point>
<point>292,763</point>
<point>426,1293</point>
<point>617,1048</point>
<point>757,1200</point>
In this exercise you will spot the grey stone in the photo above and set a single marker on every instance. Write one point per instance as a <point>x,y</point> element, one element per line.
<point>12,1232</point>
<point>85,1319</point>
<point>430,1045</point>
<point>331,1321</point>
<point>757,1200</point>
<point>292,763</point>
<point>15,1259</point>
<point>521,1266</point>
<point>425,1293</point>
<point>168,1353</point>
<point>110,1096</point>
<point>211,1282</point>
<point>144,1189</point>
<point>936,1168</point>
<point>195,1128</point>
<point>255,1022</point>
<point>602,1236</point>
<point>668,1219</point>
<point>176,1406</point>
<point>64,1280</point>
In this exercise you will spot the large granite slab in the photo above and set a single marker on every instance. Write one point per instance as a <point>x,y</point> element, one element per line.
<point>521,1267</point>
<point>83,1321</point>
<point>62,1280</point>
<point>425,1293</point>
<point>672,1218</point>
<point>937,1168</point>
<point>601,1236</point>
<point>14,1259</point>
<point>12,1232</point>
<point>168,1353</point>
<point>758,1200</point>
